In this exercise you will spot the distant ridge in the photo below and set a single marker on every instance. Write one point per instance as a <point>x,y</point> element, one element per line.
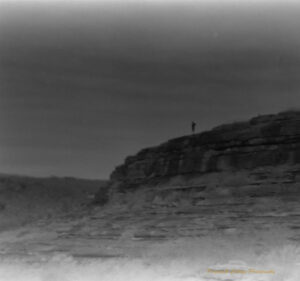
<point>24,199</point>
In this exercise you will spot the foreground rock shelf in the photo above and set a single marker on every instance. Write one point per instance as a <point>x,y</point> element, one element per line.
<point>110,232</point>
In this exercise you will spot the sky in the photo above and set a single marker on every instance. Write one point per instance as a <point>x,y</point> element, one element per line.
<point>85,84</point>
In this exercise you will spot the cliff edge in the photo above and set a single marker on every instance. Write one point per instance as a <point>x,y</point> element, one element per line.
<point>262,152</point>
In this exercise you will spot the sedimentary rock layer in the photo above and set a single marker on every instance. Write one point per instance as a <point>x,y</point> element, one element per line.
<point>269,140</point>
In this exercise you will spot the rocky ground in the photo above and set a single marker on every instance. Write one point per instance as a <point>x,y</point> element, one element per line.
<point>161,242</point>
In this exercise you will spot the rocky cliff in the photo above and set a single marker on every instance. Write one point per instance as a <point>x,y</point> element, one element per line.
<point>256,147</point>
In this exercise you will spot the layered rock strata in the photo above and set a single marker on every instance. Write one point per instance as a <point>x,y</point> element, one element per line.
<point>249,151</point>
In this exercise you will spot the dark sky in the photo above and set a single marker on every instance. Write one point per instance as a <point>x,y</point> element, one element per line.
<point>84,85</point>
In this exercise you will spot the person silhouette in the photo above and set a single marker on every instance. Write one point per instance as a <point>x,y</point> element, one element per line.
<point>193,127</point>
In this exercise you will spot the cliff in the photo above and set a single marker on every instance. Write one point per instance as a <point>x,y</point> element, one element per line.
<point>256,147</point>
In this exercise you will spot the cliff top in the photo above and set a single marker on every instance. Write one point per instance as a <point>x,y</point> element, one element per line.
<point>269,126</point>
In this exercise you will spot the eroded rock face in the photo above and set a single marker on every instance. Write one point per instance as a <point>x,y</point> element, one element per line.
<point>270,140</point>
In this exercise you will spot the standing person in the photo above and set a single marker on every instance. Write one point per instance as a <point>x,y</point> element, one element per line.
<point>193,127</point>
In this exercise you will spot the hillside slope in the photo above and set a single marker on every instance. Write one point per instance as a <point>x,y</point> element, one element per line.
<point>27,199</point>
